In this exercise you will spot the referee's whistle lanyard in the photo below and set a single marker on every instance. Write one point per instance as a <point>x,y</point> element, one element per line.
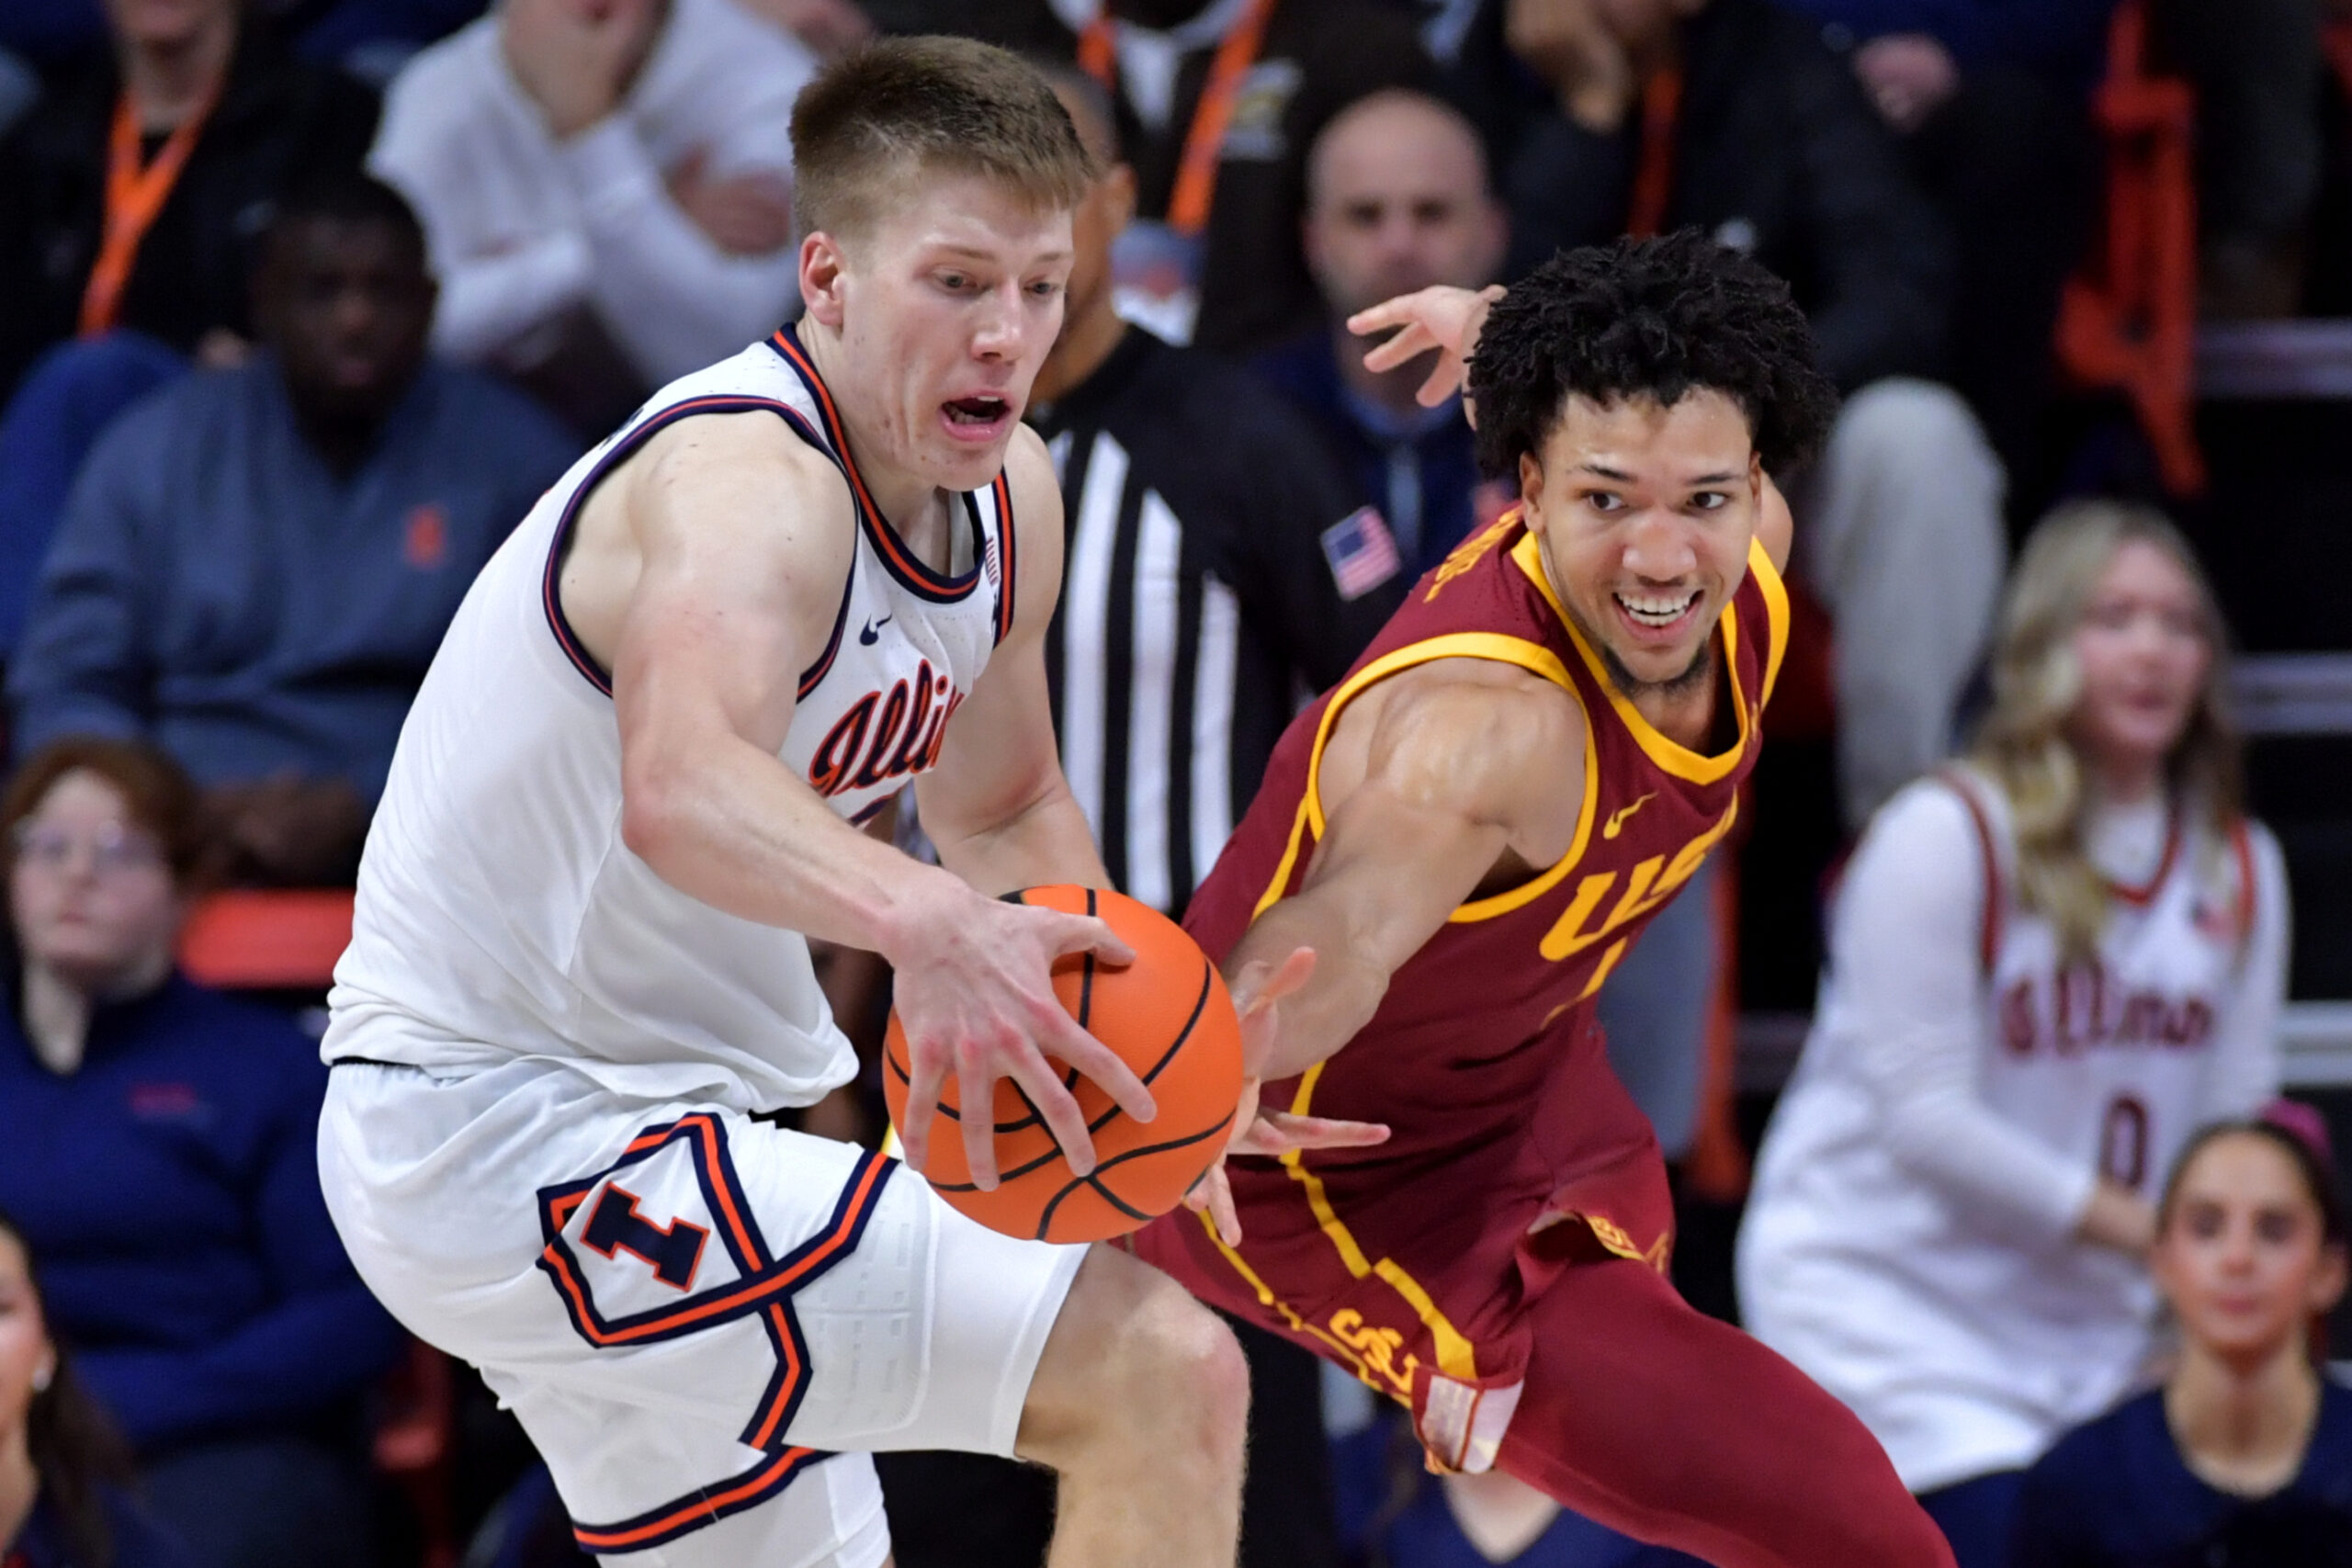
<point>135,194</point>
<point>1162,260</point>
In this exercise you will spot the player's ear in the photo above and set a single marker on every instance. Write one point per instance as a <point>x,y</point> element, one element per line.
<point>823,266</point>
<point>1530,484</point>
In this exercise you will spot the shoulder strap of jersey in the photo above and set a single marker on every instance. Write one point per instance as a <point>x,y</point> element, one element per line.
<point>1996,897</point>
<point>2248,889</point>
<point>1006,561</point>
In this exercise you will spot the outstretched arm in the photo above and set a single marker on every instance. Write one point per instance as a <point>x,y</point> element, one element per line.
<point>1432,784</point>
<point>1446,777</point>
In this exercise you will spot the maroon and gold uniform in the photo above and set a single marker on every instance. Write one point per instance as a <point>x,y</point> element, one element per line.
<point>1406,1261</point>
<point>1497,1264</point>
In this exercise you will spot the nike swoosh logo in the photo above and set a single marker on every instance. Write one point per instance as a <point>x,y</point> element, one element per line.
<point>1617,818</point>
<point>873,631</point>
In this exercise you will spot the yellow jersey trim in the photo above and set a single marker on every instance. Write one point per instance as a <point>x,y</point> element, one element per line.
<point>1776,614</point>
<point>1502,649</point>
<point>1455,1358</point>
<point>1676,759</point>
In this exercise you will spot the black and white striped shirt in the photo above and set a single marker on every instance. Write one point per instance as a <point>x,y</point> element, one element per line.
<point>1198,607</point>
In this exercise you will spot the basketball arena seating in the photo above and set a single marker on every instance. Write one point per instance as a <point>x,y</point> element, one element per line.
<point>285,944</point>
<point>2250,429</point>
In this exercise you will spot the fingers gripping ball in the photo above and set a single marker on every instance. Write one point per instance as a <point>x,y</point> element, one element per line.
<point>1169,1017</point>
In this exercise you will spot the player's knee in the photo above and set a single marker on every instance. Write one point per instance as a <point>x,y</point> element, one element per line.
<point>1182,1365</point>
<point>1134,1363</point>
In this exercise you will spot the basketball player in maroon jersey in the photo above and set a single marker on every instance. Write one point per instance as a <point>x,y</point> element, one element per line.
<point>1469,832</point>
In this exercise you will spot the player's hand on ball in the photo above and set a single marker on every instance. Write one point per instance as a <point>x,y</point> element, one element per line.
<point>1257,992</point>
<point>975,999</point>
<point>1442,318</point>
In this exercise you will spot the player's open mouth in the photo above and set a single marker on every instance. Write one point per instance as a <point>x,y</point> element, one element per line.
<point>1656,613</point>
<point>980,416</point>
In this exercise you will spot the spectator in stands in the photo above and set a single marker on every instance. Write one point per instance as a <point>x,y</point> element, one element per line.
<point>607,190</point>
<point>2047,968</point>
<point>63,404</point>
<point>64,1468</point>
<point>1396,199</point>
<point>1992,100</point>
<point>258,564</point>
<point>357,35</point>
<point>2260,76</point>
<point>162,1165</point>
<point>1733,117</point>
<point>128,195</point>
<point>827,28</point>
<point>2245,1455</point>
<point>1217,567</point>
<point>1218,102</point>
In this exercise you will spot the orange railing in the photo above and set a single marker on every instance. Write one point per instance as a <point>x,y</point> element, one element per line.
<point>2129,320</point>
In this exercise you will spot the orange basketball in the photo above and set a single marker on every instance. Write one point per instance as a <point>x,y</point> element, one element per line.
<point>1169,1017</point>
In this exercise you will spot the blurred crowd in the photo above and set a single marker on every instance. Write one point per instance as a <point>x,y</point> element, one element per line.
<point>304,302</point>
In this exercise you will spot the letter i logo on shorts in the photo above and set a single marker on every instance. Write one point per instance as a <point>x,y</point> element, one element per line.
<point>615,1226</point>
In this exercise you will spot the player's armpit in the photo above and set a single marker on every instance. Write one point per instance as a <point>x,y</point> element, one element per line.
<point>997,807</point>
<point>1434,784</point>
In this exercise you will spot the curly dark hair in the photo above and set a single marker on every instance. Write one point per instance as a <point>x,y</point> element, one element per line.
<point>1656,317</point>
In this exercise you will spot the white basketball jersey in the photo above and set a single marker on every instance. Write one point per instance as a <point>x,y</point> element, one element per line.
<point>500,915</point>
<point>1964,1344</point>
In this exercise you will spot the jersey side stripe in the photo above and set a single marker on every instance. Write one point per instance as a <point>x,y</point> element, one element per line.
<point>1456,1356</point>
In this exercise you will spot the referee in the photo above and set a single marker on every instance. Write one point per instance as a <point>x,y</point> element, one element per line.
<point>1219,569</point>
<point>1219,572</point>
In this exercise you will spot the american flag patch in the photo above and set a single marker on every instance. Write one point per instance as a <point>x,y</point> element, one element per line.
<point>1362,552</point>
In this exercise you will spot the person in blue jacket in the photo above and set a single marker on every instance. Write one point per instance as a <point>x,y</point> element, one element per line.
<point>2243,1458</point>
<point>63,1466</point>
<point>255,565</point>
<point>162,1165</point>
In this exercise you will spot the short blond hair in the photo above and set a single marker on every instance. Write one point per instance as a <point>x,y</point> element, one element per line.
<point>903,108</point>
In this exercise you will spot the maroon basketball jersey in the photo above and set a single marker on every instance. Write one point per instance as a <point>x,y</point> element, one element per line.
<point>1483,1058</point>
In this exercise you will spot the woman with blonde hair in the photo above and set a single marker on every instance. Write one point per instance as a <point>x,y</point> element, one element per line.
<point>2048,965</point>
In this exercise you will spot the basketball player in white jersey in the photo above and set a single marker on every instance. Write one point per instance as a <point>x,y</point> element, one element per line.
<point>579,972</point>
<point>2047,968</point>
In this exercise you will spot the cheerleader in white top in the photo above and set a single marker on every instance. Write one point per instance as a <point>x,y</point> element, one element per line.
<point>2048,966</point>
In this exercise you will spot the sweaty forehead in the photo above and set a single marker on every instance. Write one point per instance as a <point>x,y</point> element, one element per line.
<point>1701,432</point>
<point>945,210</point>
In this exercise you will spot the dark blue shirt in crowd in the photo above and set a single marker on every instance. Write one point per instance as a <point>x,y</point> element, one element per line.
<point>46,31</point>
<point>217,588</point>
<point>168,1191</point>
<point>134,1540</point>
<point>1420,470</point>
<point>2116,1494</point>
<point>2062,38</point>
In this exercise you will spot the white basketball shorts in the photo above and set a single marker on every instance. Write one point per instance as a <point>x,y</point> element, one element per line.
<point>703,1322</point>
